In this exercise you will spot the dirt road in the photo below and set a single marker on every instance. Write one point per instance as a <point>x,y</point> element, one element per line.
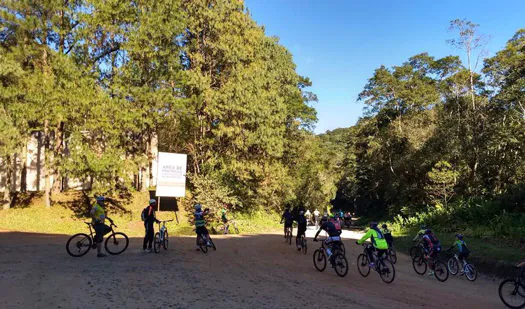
<point>253,271</point>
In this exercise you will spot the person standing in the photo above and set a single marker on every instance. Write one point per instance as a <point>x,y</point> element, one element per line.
<point>98,216</point>
<point>316,218</point>
<point>148,215</point>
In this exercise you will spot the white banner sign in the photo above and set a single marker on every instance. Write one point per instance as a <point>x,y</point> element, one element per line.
<point>171,174</point>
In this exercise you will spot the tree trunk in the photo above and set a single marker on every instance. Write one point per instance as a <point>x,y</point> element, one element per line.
<point>58,150</point>
<point>7,187</point>
<point>47,180</point>
<point>23,169</point>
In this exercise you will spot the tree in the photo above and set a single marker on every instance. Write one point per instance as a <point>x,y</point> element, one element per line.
<point>441,181</point>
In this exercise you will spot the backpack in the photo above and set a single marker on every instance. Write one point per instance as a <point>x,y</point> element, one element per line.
<point>337,224</point>
<point>144,213</point>
<point>433,239</point>
<point>464,249</point>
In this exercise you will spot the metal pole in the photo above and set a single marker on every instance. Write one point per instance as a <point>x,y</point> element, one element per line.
<point>158,204</point>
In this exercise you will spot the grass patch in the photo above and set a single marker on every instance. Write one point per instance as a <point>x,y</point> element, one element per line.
<point>70,209</point>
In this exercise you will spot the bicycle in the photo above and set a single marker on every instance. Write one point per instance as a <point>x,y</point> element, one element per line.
<point>383,266</point>
<point>468,269</point>
<point>79,244</point>
<point>421,264</point>
<point>417,250</point>
<point>288,235</point>
<point>302,243</point>
<point>161,237</point>
<point>337,259</point>
<point>512,291</point>
<point>224,227</point>
<point>205,243</point>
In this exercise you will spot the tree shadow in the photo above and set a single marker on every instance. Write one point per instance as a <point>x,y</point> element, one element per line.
<point>81,204</point>
<point>24,199</point>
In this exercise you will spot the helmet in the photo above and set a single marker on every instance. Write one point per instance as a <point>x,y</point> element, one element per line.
<point>423,227</point>
<point>197,206</point>
<point>100,198</point>
<point>373,224</point>
<point>428,231</point>
<point>152,201</point>
<point>459,236</point>
<point>301,212</point>
<point>383,226</point>
<point>324,218</point>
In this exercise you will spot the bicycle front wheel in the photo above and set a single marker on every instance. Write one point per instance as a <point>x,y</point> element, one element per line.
<point>471,272</point>
<point>419,264</point>
<point>166,240</point>
<point>387,271</point>
<point>363,265</point>
<point>156,243</point>
<point>340,265</point>
<point>512,293</point>
<point>212,244</point>
<point>202,244</point>
<point>78,245</point>
<point>319,260</point>
<point>441,271</point>
<point>392,256</point>
<point>415,251</point>
<point>453,266</point>
<point>116,243</point>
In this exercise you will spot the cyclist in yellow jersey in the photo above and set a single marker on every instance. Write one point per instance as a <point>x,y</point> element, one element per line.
<point>98,216</point>
<point>378,242</point>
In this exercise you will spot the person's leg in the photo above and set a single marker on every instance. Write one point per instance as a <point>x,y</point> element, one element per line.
<point>99,236</point>
<point>145,243</point>
<point>150,235</point>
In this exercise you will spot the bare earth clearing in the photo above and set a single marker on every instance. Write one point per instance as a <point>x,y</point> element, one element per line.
<point>253,271</point>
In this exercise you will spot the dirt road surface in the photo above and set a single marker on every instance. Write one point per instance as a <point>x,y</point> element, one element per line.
<point>251,271</point>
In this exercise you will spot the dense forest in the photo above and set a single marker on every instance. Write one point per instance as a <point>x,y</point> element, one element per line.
<point>440,139</point>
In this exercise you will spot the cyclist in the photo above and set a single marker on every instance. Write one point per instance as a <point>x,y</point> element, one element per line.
<point>432,247</point>
<point>98,216</point>
<point>420,233</point>
<point>333,235</point>
<point>149,225</point>
<point>463,251</point>
<point>301,226</point>
<point>388,235</point>
<point>288,220</point>
<point>224,220</point>
<point>379,243</point>
<point>200,224</point>
<point>308,216</point>
<point>316,217</point>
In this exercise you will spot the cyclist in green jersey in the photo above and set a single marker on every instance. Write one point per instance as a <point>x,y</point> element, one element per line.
<point>98,217</point>
<point>379,243</point>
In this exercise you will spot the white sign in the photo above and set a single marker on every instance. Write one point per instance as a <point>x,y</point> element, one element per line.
<point>171,174</point>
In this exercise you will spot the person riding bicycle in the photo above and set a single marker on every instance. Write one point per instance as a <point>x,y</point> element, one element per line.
<point>225,220</point>
<point>308,216</point>
<point>379,243</point>
<point>288,220</point>
<point>431,245</point>
<point>388,235</point>
<point>98,216</point>
<point>463,251</point>
<point>316,217</point>
<point>149,225</point>
<point>420,233</point>
<point>301,226</point>
<point>200,224</point>
<point>334,235</point>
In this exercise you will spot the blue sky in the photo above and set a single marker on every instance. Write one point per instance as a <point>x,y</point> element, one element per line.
<point>338,44</point>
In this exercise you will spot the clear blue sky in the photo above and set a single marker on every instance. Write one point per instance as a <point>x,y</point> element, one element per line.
<point>338,44</point>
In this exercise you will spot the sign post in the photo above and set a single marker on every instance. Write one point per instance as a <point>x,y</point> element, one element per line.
<point>171,175</point>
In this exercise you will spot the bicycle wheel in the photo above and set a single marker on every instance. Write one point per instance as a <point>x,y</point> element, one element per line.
<point>304,245</point>
<point>340,264</point>
<point>453,266</point>
<point>166,240</point>
<point>415,251</point>
<point>343,249</point>
<point>319,260</point>
<point>363,265</point>
<point>202,244</point>
<point>212,244</point>
<point>512,293</point>
<point>420,265</point>
<point>78,245</point>
<point>441,271</point>
<point>387,271</point>
<point>116,243</point>
<point>289,237</point>
<point>391,255</point>
<point>156,243</point>
<point>471,272</point>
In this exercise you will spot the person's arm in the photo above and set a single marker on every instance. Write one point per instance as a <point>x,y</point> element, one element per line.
<point>317,234</point>
<point>282,218</point>
<point>92,212</point>
<point>365,237</point>
<point>417,236</point>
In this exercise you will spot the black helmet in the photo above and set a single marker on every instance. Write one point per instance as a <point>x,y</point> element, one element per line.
<point>383,226</point>
<point>459,236</point>
<point>428,231</point>
<point>373,224</point>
